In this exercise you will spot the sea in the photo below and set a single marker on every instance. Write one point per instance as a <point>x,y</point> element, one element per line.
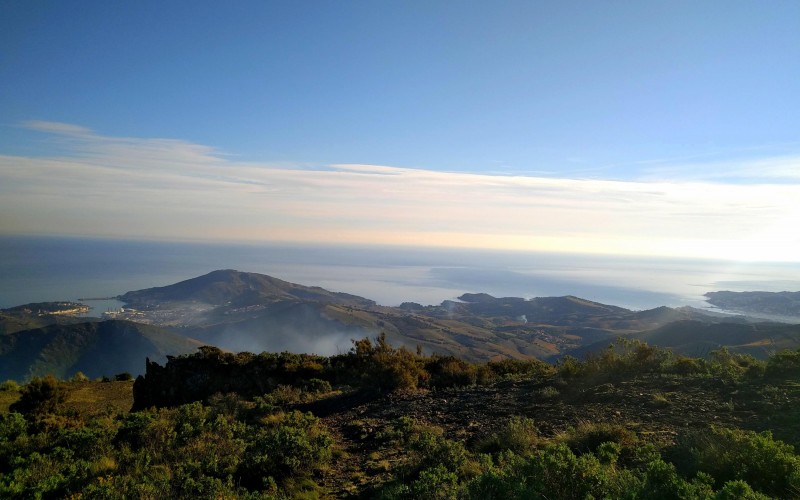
<point>95,271</point>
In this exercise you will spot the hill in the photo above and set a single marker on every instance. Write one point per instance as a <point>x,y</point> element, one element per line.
<point>248,311</point>
<point>691,337</point>
<point>39,314</point>
<point>236,289</point>
<point>94,348</point>
<point>780,306</point>
<point>240,311</point>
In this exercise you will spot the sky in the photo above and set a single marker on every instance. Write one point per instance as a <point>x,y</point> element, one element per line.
<point>625,127</point>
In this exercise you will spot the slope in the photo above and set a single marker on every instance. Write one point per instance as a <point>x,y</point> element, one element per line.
<point>94,348</point>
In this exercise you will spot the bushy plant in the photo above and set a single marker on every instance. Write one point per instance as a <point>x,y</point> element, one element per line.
<point>449,371</point>
<point>384,368</point>
<point>555,472</point>
<point>9,386</point>
<point>40,396</point>
<point>519,435</point>
<point>731,367</point>
<point>768,465</point>
<point>517,368</point>
<point>293,444</point>
<point>783,364</point>
<point>317,386</point>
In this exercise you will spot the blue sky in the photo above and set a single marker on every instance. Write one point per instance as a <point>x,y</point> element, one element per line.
<point>528,106</point>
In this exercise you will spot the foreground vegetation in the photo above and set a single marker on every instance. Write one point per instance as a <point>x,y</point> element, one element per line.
<point>382,422</point>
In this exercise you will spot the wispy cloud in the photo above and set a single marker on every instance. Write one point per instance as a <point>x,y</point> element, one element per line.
<point>761,170</point>
<point>163,188</point>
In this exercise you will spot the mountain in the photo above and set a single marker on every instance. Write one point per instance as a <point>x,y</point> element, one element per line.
<point>237,289</point>
<point>94,348</point>
<point>780,306</point>
<point>239,311</point>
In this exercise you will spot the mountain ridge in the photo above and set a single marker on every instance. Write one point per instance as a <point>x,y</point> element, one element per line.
<point>241,311</point>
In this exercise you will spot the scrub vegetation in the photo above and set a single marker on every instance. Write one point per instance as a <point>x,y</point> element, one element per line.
<point>633,421</point>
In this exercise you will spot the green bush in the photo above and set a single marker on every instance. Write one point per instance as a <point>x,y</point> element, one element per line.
<point>9,386</point>
<point>731,367</point>
<point>40,396</point>
<point>519,435</point>
<point>767,465</point>
<point>432,448</point>
<point>588,436</point>
<point>517,368</point>
<point>294,444</point>
<point>554,472</point>
<point>384,368</point>
<point>449,371</point>
<point>317,386</point>
<point>784,364</point>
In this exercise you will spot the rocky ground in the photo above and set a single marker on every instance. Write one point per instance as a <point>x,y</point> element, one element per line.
<point>657,408</point>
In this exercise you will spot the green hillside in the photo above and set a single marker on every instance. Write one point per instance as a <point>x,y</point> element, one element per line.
<point>94,348</point>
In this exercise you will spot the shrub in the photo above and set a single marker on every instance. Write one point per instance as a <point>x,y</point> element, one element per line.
<point>516,368</point>
<point>784,364</point>
<point>731,367</point>
<point>588,436</point>
<point>9,386</point>
<point>382,367</point>
<point>519,434</point>
<point>554,472</point>
<point>123,377</point>
<point>41,395</point>
<point>317,386</point>
<point>436,482</point>
<point>449,371</point>
<point>768,465</point>
<point>683,365</point>
<point>294,444</point>
<point>432,448</point>
<point>739,490</point>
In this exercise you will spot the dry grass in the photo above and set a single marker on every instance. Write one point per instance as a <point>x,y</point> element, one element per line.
<point>91,398</point>
<point>87,398</point>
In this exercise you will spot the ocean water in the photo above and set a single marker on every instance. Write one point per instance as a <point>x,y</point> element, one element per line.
<point>37,269</point>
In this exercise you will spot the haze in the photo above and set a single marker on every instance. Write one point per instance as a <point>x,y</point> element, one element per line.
<point>634,128</point>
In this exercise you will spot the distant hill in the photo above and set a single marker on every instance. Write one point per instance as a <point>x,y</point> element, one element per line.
<point>698,338</point>
<point>782,306</point>
<point>695,338</point>
<point>554,310</point>
<point>236,289</point>
<point>94,348</point>
<point>248,311</point>
<point>39,314</point>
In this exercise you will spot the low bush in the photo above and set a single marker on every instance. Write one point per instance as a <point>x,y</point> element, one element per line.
<point>767,465</point>
<point>519,435</point>
<point>40,396</point>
